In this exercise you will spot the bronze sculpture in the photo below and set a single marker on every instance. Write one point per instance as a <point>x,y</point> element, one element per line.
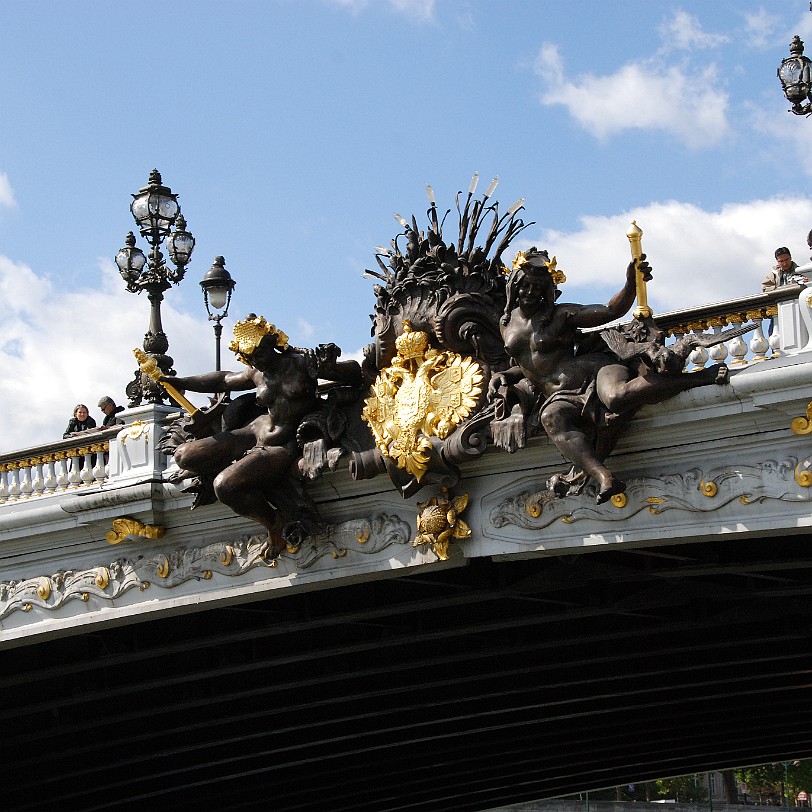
<point>250,464</point>
<point>466,354</point>
<point>570,383</point>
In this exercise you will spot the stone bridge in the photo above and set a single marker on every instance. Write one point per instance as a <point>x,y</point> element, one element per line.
<point>153,659</point>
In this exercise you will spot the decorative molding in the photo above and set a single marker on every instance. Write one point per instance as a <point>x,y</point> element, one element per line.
<point>164,569</point>
<point>803,425</point>
<point>694,491</point>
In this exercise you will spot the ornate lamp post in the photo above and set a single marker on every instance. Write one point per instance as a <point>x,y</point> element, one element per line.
<point>794,75</point>
<point>217,287</point>
<point>155,210</point>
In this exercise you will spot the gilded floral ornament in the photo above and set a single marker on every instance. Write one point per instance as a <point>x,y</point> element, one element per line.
<point>439,521</point>
<point>424,393</point>
<point>125,526</point>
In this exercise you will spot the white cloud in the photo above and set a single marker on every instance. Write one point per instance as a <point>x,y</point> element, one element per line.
<point>419,10</point>
<point>760,27</point>
<point>60,348</point>
<point>640,95</point>
<point>698,256</point>
<point>6,192</point>
<point>684,31</point>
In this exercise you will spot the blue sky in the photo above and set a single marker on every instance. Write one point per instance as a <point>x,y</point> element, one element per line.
<point>293,129</point>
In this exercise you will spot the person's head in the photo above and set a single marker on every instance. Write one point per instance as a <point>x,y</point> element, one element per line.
<point>255,340</point>
<point>107,404</point>
<point>783,258</point>
<point>80,412</point>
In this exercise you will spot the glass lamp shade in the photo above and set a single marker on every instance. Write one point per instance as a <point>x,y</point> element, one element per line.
<point>218,297</point>
<point>217,285</point>
<point>130,260</point>
<point>180,244</point>
<point>155,208</point>
<point>794,73</point>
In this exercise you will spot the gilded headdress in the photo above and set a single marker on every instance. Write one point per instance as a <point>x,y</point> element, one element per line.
<point>539,259</point>
<point>250,331</point>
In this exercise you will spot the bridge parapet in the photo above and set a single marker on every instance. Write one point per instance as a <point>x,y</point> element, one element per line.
<point>119,543</point>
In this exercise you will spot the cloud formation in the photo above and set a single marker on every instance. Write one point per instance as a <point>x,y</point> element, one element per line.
<point>646,95</point>
<point>59,348</point>
<point>6,192</point>
<point>698,256</point>
<point>419,10</point>
<point>684,31</point>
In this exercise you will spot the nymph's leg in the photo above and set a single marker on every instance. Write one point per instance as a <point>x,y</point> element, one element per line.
<point>211,455</point>
<point>560,421</point>
<point>622,390</point>
<point>243,485</point>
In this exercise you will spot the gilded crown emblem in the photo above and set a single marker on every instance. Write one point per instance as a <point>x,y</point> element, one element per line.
<point>249,332</point>
<point>411,343</point>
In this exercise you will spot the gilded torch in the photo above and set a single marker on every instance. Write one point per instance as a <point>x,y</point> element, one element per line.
<point>635,235</point>
<point>149,366</point>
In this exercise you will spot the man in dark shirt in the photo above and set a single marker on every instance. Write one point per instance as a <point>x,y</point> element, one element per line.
<point>108,406</point>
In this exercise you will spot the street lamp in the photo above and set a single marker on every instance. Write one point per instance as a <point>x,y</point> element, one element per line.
<point>794,75</point>
<point>155,210</point>
<point>217,287</point>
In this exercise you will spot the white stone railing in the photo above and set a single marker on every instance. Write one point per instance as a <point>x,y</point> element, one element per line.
<point>61,466</point>
<point>782,322</point>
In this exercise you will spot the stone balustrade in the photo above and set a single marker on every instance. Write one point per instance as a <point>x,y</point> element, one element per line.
<point>782,324</point>
<point>65,465</point>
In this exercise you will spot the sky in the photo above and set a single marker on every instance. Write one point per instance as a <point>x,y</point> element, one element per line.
<point>292,130</point>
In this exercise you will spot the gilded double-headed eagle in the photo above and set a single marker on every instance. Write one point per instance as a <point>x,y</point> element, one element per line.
<point>424,393</point>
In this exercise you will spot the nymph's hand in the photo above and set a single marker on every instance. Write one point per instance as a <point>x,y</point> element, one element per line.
<point>640,265</point>
<point>498,381</point>
<point>327,353</point>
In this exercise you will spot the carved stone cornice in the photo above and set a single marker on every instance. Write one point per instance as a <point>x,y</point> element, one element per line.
<point>165,569</point>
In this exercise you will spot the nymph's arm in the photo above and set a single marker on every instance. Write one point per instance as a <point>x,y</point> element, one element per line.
<point>618,305</point>
<point>214,382</point>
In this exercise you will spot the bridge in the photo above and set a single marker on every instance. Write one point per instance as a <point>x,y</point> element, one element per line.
<point>153,658</point>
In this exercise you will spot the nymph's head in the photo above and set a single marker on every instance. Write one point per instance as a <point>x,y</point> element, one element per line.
<point>257,341</point>
<point>532,284</point>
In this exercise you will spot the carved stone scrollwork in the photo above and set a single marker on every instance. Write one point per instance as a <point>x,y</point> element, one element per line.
<point>693,491</point>
<point>345,541</point>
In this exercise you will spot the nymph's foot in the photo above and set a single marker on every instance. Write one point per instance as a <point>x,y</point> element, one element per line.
<point>272,549</point>
<point>609,486</point>
<point>718,374</point>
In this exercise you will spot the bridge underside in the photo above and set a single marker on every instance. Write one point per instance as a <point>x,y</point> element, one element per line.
<point>462,689</point>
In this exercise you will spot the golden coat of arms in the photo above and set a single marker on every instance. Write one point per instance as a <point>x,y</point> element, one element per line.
<point>424,393</point>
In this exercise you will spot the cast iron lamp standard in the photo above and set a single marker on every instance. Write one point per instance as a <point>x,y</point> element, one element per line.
<point>156,210</point>
<point>796,79</point>
<point>217,287</point>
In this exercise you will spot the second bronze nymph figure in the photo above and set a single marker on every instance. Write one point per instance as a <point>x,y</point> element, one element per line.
<point>568,383</point>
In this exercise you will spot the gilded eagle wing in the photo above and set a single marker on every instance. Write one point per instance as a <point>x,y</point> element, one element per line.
<point>455,391</point>
<point>380,410</point>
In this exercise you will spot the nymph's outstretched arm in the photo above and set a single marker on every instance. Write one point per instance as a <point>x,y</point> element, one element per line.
<point>618,305</point>
<point>214,382</point>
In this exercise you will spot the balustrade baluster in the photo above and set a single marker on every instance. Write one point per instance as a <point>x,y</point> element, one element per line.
<point>24,476</point>
<point>49,475</point>
<point>74,475</point>
<point>4,494</point>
